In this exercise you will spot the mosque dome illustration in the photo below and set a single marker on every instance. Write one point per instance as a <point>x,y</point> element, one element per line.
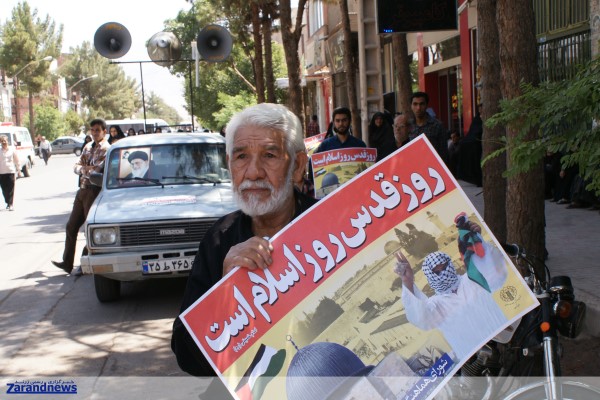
<point>329,179</point>
<point>320,369</point>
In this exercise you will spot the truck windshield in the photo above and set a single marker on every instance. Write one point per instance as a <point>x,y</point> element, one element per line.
<point>172,164</point>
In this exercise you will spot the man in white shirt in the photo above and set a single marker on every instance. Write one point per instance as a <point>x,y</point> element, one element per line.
<point>46,149</point>
<point>465,313</point>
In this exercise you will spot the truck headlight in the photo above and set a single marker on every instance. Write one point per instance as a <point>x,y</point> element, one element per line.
<point>104,236</point>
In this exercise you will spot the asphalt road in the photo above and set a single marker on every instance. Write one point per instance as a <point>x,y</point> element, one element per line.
<point>51,323</point>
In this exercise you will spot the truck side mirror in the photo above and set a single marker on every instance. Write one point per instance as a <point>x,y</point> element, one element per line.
<point>96,178</point>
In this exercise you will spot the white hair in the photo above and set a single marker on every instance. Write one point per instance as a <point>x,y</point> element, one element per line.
<point>271,116</point>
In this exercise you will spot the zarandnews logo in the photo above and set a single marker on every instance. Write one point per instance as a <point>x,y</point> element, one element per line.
<point>57,386</point>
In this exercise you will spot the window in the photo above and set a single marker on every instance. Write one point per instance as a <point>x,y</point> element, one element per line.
<point>315,16</point>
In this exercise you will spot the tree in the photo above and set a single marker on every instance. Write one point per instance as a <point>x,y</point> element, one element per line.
<point>49,121</point>
<point>525,191</point>
<point>290,35</point>
<point>258,52</point>
<point>25,39</point>
<point>113,95</point>
<point>402,63</point>
<point>73,122</point>
<point>234,78</point>
<point>561,126</point>
<point>494,184</point>
<point>157,108</point>
<point>350,66</point>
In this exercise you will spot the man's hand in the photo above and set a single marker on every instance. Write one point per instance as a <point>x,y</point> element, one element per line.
<point>252,254</point>
<point>404,270</point>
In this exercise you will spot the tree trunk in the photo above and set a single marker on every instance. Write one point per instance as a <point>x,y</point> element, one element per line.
<point>258,53</point>
<point>350,67</point>
<point>525,192</point>
<point>402,67</point>
<point>291,37</point>
<point>269,76</point>
<point>31,116</point>
<point>494,185</point>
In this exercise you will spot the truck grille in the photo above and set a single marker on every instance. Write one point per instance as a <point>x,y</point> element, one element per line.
<point>164,233</point>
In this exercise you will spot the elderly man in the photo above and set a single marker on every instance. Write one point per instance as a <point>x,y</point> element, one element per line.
<point>266,154</point>
<point>461,309</point>
<point>139,165</point>
<point>401,130</point>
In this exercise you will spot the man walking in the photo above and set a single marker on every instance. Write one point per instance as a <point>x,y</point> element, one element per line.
<point>91,160</point>
<point>46,149</point>
<point>426,124</point>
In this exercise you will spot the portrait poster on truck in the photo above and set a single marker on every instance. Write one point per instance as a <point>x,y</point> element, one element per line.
<point>383,289</point>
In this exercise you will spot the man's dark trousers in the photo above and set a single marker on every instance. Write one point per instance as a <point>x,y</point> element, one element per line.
<point>81,206</point>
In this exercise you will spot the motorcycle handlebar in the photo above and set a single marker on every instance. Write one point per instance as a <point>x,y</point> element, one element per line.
<point>512,249</point>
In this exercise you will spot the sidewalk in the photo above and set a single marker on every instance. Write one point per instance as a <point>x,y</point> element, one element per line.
<point>572,243</point>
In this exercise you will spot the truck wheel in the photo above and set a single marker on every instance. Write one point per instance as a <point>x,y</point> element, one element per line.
<point>107,289</point>
<point>26,169</point>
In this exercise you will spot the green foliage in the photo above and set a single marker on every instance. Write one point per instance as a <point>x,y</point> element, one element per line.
<point>112,95</point>
<point>229,105</point>
<point>73,122</point>
<point>157,108</point>
<point>49,122</point>
<point>25,39</point>
<point>565,115</point>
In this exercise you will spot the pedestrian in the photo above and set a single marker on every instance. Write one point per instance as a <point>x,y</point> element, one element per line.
<point>401,128</point>
<point>381,136</point>
<point>91,160</point>
<point>342,133</point>
<point>130,132</point>
<point>46,149</point>
<point>116,134</point>
<point>9,168</point>
<point>426,124</point>
<point>312,128</point>
<point>264,190</point>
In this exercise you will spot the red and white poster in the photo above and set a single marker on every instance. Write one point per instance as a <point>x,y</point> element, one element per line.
<point>384,288</point>
<point>332,168</point>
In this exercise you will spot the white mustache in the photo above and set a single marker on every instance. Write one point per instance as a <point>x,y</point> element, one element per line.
<point>255,185</point>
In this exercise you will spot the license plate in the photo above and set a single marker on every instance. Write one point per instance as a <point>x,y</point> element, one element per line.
<point>165,266</point>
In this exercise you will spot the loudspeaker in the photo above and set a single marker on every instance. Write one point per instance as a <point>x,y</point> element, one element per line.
<point>164,48</point>
<point>112,40</point>
<point>214,43</point>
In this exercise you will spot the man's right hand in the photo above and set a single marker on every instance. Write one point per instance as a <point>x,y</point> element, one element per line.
<point>252,254</point>
<point>404,270</point>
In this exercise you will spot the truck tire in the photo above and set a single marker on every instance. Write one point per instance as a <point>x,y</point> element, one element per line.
<point>107,289</point>
<point>26,169</point>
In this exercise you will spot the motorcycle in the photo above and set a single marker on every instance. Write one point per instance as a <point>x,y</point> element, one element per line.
<point>509,370</point>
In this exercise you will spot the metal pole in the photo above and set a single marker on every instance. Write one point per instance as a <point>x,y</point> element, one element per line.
<point>191,93</point>
<point>143,98</point>
<point>16,86</point>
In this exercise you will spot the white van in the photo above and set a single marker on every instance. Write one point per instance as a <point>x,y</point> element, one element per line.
<point>149,125</point>
<point>19,137</point>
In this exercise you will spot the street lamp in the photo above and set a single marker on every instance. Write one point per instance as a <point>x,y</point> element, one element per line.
<point>16,85</point>
<point>70,89</point>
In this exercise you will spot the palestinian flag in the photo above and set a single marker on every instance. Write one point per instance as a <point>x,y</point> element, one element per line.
<point>266,365</point>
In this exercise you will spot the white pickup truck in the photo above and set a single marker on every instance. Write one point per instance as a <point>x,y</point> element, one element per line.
<point>160,194</point>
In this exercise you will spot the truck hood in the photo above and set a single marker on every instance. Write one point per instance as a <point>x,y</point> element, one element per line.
<point>153,203</point>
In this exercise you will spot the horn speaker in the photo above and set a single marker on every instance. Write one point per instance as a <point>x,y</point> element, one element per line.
<point>164,48</point>
<point>214,43</point>
<point>112,40</point>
